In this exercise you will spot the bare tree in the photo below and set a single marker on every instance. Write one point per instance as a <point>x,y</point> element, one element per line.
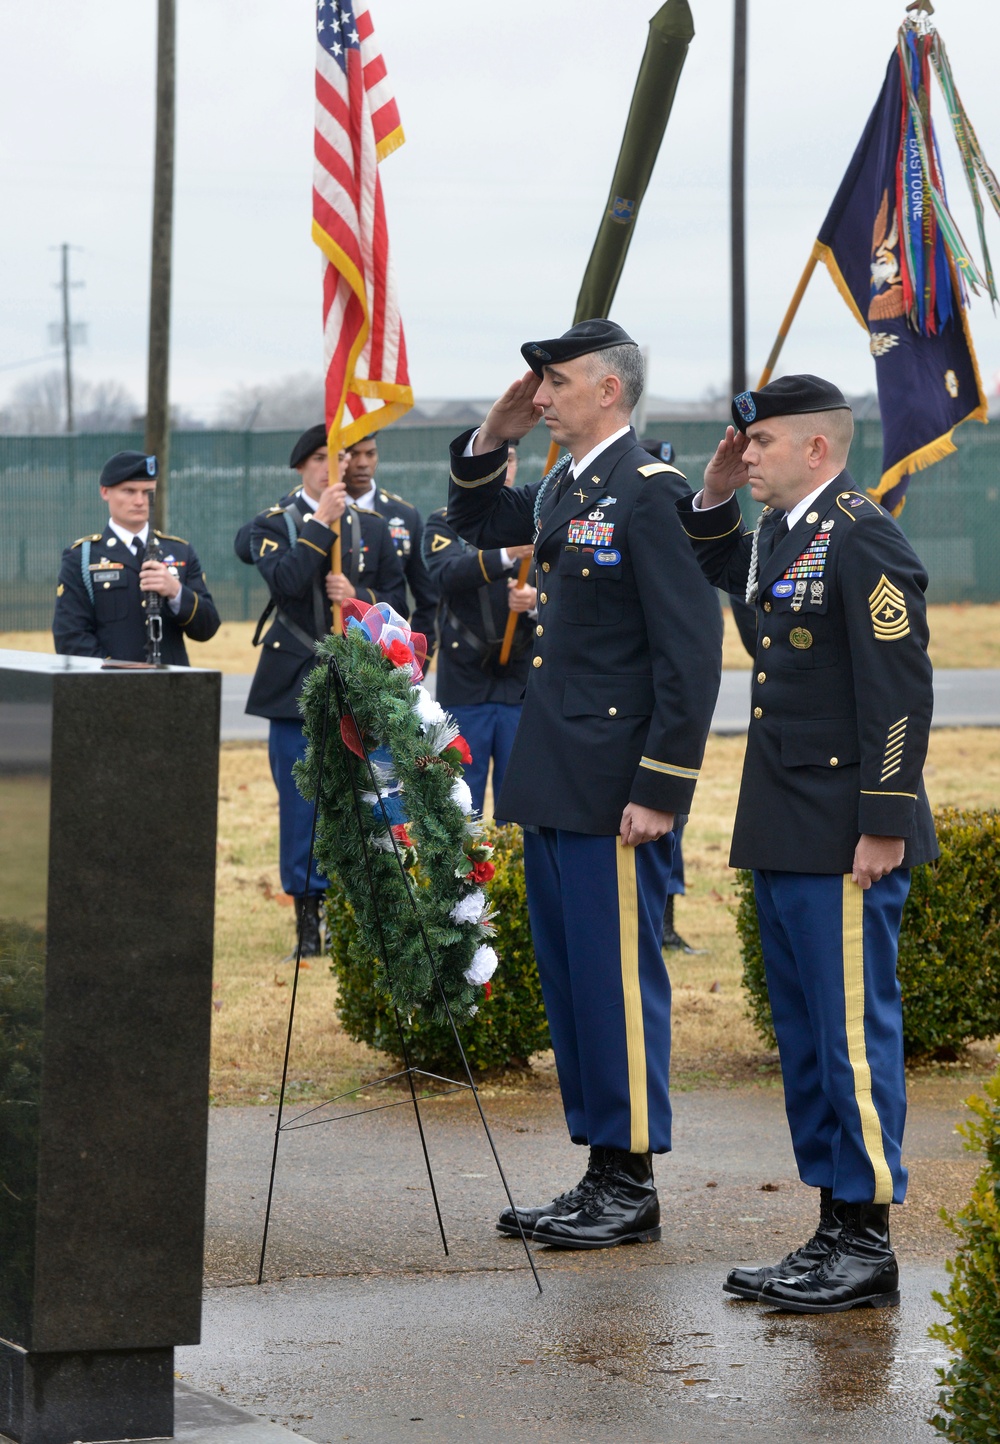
<point>294,401</point>
<point>37,407</point>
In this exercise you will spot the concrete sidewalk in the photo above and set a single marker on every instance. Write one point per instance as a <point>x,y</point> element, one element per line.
<point>961,699</point>
<point>364,1330</point>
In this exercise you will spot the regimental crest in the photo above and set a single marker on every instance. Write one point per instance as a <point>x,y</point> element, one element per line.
<point>150,465</point>
<point>888,612</point>
<point>622,210</point>
<point>887,289</point>
<point>746,406</point>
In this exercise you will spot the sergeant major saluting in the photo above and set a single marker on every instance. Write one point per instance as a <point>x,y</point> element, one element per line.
<point>104,579</point>
<point>832,811</point>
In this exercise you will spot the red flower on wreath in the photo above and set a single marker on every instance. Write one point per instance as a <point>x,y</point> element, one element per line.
<point>481,872</point>
<point>462,747</point>
<point>487,991</point>
<point>398,653</point>
<point>401,835</point>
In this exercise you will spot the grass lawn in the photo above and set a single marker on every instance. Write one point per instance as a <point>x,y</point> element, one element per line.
<point>713,1041</point>
<point>961,636</point>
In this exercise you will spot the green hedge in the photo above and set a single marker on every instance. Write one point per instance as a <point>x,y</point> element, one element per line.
<point>970,1398</point>
<point>949,945</point>
<point>509,1026</point>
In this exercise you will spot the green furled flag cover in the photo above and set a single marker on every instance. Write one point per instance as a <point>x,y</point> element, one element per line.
<point>671,31</point>
<point>895,253</point>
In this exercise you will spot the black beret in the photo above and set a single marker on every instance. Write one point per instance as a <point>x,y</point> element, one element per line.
<point>579,340</point>
<point>662,450</point>
<point>126,466</point>
<point>307,443</point>
<point>788,396</point>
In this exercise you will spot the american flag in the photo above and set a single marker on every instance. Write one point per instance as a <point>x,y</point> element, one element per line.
<point>357,123</point>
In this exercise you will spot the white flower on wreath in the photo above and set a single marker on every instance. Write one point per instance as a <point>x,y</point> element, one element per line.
<point>461,795</point>
<point>431,713</point>
<point>483,965</point>
<point>470,909</point>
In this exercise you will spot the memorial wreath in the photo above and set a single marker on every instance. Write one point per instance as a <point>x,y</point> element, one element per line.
<point>408,850</point>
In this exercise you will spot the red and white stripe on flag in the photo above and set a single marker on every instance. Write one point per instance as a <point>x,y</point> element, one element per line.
<point>357,123</point>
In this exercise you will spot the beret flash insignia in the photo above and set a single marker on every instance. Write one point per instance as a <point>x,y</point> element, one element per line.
<point>746,406</point>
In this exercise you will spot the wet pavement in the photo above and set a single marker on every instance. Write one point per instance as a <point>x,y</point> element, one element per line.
<point>364,1330</point>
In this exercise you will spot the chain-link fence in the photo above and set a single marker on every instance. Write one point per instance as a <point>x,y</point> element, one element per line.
<point>218,479</point>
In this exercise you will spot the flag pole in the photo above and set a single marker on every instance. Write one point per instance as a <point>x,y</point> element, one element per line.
<point>786,324</point>
<point>522,572</point>
<point>336,563</point>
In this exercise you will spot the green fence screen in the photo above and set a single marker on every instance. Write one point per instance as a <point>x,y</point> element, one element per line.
<point>218,479</point>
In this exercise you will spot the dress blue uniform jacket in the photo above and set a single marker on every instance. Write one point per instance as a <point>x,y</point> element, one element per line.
<point>627,660</point>
<point>406,527</point>
<point>295,574</point>
<point>114,623</point>
<point>842,694</point>
<point>472,616</point>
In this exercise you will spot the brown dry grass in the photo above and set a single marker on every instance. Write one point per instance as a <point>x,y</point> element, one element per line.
<point>713,1040</point>
<point>961,636</point>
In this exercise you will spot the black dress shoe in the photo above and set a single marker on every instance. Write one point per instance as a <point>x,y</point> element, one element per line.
<point>747,1283</point>
<point>622,1207</point>
<point>567,1202</point>
<point>859,1272</point>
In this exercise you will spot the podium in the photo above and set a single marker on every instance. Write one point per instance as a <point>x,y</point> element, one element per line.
<point>108,786</point>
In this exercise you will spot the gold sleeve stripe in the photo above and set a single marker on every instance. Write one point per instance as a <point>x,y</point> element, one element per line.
<point>697,536</point>
<point>635,1038</point>
<point>877,792</point>
<point>304,543</point>
<point>853,945</point>
<point>501,470</point>
<point>482,567</point>
<point>668,767</point>
<point>193,610</point>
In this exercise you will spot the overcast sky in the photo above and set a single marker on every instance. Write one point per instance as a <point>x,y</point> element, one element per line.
<point>513,116</point>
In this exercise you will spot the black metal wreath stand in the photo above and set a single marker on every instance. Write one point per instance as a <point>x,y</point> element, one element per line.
<point>335,679</point>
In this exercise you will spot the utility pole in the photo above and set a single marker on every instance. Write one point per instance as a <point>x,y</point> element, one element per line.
<point>158,371</point>
<point>737,211</point>
<point>65,332</point>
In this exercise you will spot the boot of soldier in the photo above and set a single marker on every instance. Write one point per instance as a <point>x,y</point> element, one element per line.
<point>859,1272</point>
<point>307,914</point>
<point>567,1202</point>
<point>621,1208</point>
<point>747,1283</point>
<point>670,937</point>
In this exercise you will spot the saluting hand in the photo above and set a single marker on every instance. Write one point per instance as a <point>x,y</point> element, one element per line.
<point>155,577</point>
<point>727,471</point>
<point>510,417</point>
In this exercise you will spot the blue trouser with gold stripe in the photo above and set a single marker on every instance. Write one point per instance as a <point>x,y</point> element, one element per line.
<point>830,958</point>
<point>596,911</point>
<point>286,745</point>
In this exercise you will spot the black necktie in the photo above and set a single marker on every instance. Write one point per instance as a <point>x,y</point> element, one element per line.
<point>140,549</point>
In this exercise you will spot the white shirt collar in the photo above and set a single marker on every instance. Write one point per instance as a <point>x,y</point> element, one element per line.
<point>595,453</point>
<point>312,505</point>
<point>366,502</point>
<point>800,508</point>
<point>129,538</point>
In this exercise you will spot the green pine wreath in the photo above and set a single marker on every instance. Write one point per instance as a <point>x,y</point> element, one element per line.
<point>422,812</point>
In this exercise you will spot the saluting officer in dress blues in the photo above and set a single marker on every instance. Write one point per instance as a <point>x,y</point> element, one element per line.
<point>104,579</point>
<point>618,705</point>
<point>478,590</point>
<point>406,527</point>
<point>832,811</point>
<point>291,547</point>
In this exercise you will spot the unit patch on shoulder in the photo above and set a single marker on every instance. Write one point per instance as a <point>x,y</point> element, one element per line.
<point>888,612</point>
